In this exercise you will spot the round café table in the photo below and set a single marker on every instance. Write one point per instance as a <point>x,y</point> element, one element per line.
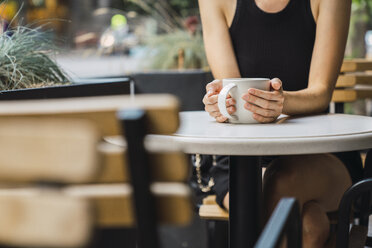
<point>199,133</point>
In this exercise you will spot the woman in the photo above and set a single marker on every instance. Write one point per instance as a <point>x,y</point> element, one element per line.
<point>299,43</point>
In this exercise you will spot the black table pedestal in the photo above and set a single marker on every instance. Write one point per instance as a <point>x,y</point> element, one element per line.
<point>245,201</point>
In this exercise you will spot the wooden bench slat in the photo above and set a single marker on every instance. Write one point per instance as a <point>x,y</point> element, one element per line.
<point>165,167</point>
<point>32,219</point>
<point>48,150</point>
<point>213,212</point>
<point>162,111</point>
<point>113,203</point>
<point>350,80</point>
<point>356,65</point>
<point>347,95</point>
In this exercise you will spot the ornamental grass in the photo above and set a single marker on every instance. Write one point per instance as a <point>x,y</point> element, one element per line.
<point>26,59</point>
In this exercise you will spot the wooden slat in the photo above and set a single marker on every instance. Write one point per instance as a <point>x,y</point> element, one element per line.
<point>48,150</point>
<point>348,95</point>
<point>213,212</point>
<point>162,111</point>
<point>114,204</point>
<point>30,218</point>
<point>40,218</point>
<point>350,80</point>
<point>165,167</point>
<point>356,65</point>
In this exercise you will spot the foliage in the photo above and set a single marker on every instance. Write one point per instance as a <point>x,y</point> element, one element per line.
<point>174,36</point>
<point>25,59</point>
<point>361,21</point>
<point>364,6</point>
<point>164,50</point>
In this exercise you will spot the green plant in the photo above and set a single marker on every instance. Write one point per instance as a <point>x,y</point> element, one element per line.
<point>164,51</point>
<point>25,59</point>
<point>361,21</point>
<point>174,38</point>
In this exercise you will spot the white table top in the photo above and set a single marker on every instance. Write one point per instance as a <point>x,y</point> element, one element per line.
<point>199,133</point>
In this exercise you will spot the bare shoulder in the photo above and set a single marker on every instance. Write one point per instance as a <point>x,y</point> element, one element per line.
<point>225,7</point>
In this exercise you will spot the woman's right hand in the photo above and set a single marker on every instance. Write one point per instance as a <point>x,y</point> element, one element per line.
<point>210,101</point>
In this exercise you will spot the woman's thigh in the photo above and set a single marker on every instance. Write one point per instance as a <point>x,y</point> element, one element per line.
<point>320,177</point>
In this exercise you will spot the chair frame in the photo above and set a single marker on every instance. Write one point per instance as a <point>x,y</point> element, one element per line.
<point>134,126</point>
<point>285,220</point>
<point>362,191</point>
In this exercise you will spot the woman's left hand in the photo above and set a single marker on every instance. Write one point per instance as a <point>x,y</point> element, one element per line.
<point>266,106</point>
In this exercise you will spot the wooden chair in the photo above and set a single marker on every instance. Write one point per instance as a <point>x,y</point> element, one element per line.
<point>354,83</point>
<point>63,176</point>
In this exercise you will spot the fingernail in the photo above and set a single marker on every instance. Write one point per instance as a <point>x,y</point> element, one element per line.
<point>209,92</point>
<point>251,91</point>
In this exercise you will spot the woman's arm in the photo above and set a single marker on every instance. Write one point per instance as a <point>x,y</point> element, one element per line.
<point>218,46</point>
<point>220,54</point>
<point>331,35</point>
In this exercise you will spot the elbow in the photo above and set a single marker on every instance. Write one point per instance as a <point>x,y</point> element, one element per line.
<point>325,97</point>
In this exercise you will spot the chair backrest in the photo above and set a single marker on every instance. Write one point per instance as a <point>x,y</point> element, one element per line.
<point>354,81</point>
<point>61,147</point>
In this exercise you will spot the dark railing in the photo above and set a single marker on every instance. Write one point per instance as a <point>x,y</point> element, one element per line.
<point>80,88</point>
<point>285,220</point>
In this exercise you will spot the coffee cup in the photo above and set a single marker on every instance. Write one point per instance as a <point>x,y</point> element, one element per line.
<point>237,87</point>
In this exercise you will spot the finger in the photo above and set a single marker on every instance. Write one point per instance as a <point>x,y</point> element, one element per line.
<point>210,99</point>
<point>263,112</point>
<point>221,119</point>
<point>230,102</point>
<point>215,114</point>
<point>214,87</point>
<point>263,119</point>
<point>211,108</point>
<point>268,95</point>
<point>231,110</point>
<point>276,84</point>
<point>263,103</point>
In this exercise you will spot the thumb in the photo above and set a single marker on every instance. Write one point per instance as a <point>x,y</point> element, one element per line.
<point>276,84</point>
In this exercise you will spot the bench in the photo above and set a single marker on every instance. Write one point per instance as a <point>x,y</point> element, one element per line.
<point>354,83</point>
<point>63,176</point>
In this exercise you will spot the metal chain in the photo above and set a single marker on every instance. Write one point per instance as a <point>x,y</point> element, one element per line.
<point>203,188</point>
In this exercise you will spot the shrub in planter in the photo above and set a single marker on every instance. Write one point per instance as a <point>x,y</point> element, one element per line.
<point>26,60</point>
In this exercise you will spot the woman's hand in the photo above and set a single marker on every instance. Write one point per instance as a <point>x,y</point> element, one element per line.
<point>265,106</point>
<point>210,101</point>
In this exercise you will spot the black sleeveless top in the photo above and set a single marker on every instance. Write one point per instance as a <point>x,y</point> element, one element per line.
<point>274,44</point>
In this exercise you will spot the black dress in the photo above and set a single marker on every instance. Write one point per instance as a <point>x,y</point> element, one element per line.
<point>278,45</point>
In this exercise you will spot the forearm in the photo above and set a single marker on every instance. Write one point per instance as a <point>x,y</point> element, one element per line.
<point>307,101</point>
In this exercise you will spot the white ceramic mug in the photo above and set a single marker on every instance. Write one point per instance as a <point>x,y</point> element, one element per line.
<point>237,87</point>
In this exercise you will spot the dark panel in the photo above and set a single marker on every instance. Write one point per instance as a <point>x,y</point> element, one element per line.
<point>188,86</point>
<point>81,88</point>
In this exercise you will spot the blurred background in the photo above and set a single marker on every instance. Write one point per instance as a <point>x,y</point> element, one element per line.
<point>115,37</point>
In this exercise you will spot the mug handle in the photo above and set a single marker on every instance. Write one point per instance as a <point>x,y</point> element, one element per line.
<point>222,100</point>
